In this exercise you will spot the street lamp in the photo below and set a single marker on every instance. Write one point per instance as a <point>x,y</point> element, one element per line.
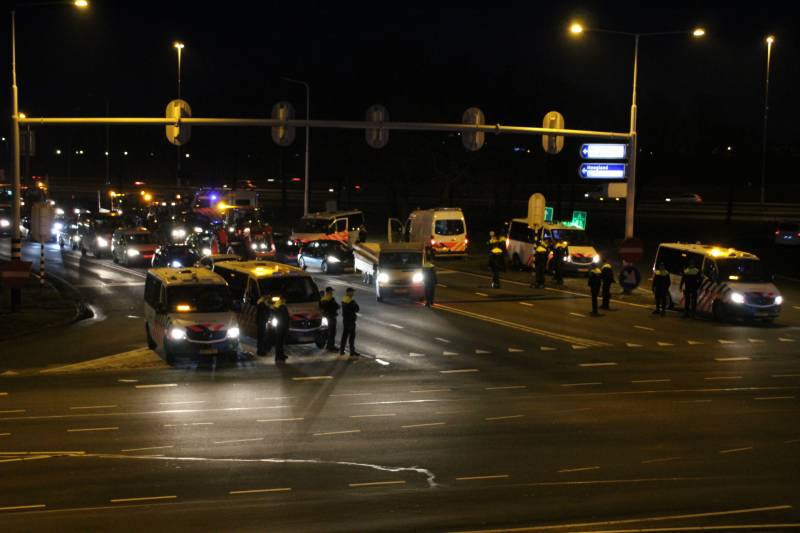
<point>308,117</point>
<point>770,40</point>
<point>179,47</point>
<point>576,29</point>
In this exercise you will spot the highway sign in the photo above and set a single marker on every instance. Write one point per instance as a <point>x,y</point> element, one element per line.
<point>283,135</point>
<point>548,214</point>
<point>631,250</point>
<point>178,134</point>
<point>603,171</point>
<point>553,144</point>
<point>604,151</point>
<point>473,140</point>
<point>578,219</point>
<point>377,137</point>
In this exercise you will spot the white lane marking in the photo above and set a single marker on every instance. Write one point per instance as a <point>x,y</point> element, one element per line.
<point>721,378</point>
<point>442,340</point>
<point>396,326</point>
<point>326,433</point>
<point>373,416</point>
<point>481,294</point>
<point>93,407</point>
<point>546,349</point>
<point>376,484</point>
<point>157,386</point>
<point>259,491</point>
<point>578,347</point>
<point>756,341</point>
<point>693,401</point>
<point>449,353</point>
<point>23,507</point>
<point>395,402</point>
<point>239,440</point>
<point>143,499</point>
<point>3,394</point>
<point>725,341</point>
<point>430,424</point>
<point>8,411</point>
<point>784,339</point>
<point>280,420</point>
<point>526,304</point>
<point>661,460</point>
<point>183,403</point>
<point>80,430</point>
<point>507,417</point>
<point>646,328</point>
<point>477,478</point>
<point>786,375</point>
<point>651,381</point>
<point>515,350</point>
<point>382,362</point>
<point>577,315</point>
<point>661,343</point>
<point>632,345</point>
<point>764,398</point>
<point>597,364</point>
<point>507,387</point>
<point>5,434</point>
<point>728,359</point>
<point>278,398</point>
<point>412,354</point>
<point>422,391</point>
<point>442,285</point>
<point>133,316</point>
<point>793,441</point>
<point>482,352</point>
<point>148,448</point>
<point>312,378</point>
<point>736,450</point>
<point>200,424</point>
<point>589,384</point>
<point>582,469</point>
<point>128,380</point>
<point>693,343</point>
<point>459,371</point>
<point>347,394</point>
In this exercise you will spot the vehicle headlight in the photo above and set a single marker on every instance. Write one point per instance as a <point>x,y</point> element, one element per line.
<point>176,264</point>
<point>779,300</point>
<point>596,258</point>
<point>198,229</point>
<point>101,242</point>
<point>177,334</point>
<point>254,246</point>
<point>179,233</point>
<point>58,226</point>
<point>77,238</point>
<point>262,246</point>
<point>333,259</point>
<point>274,322</point>
<point>289,243</point>
<point>233,333</point>
<point>4,223</point>
<point>324,322</point>
<point>231,229</point>
<point>132,253</point>
<point>206,251</point>
<point>417,277</point>
<point>383,277</point>
<point>737,297</point>
<point>568,258</point>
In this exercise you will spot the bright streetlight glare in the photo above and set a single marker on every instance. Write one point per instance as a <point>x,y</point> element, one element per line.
<point>770,39</point>
<point>576,28</point>
<point>178,45</point>
<point>83,4</point>
<point>699,32</point>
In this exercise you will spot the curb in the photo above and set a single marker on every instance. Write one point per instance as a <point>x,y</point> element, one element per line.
<point>82,309</point>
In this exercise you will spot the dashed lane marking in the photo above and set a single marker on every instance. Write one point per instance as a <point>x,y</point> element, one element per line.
<point>731,359</point>
<point>721,378</point>
<point>756,341</point>
<point>725,341</point>
<point>128,380</point>
<point>588,384</point>
<point>581,469</point>
<point>792,441</point>
<point>156,386</point>
<point>412,354</point>
<point>646,328</point>
<point>481,294</point>
<point>375,484</point>
<point>327,433</point>
<point>660,460</point>
<point>660,343</point>
<point>515,350</point>
<point>482,352</point>
<point>449,353</point>
<point>507,387</point>
<point>147,449</point>
<point>480,478</point>
<point>382,362</point>
<point>442,340</point>
<point>5,434</point>
<point>597,364</point>
<point>693,401</point>
<point>3,394</point>
<point>347,394</point>
<point>236,441</point>
<point>373,416</point>
<point>737,450</point>
<point>459,371</point>
<point>442,285</point>
<point>281,420</point>
<point>9,411</point>
<point>632,345</point>
<point>143,499</point>
<point>397,326</point>
<point>546,349</point>
<point>93,407</point>
<point>430,424</point>
<point>259,491</point>
<point>651,381</point>
<point>766,398</point>
<point>694,343</point>
<point>423,391</point>
<point>578,347</point>
<point>506,417</point>
<point>577,315</point>
<point>312,378</point>
<point>184,403</point>
<point>784,339</point>
<point>786,375</point>
<point>526,304</point>
<point>23,507</point>
<point>81,430</point>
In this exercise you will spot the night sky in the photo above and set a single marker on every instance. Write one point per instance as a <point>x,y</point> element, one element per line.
<point>515,61</point>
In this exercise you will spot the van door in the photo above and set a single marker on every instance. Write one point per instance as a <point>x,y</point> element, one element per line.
<point>338,230</point>
<point>247,318</point>
<point>394,230</point>
<point>161,318</point>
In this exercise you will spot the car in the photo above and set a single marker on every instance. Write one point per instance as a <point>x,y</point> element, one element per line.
<point>68,234</point>
<point>787,234</point>
<point>685,198</point>
<point>174,256</point>
<point>95,232</point>
<point>133,245</point>
<point>327,255</point>
<point>286,250</point>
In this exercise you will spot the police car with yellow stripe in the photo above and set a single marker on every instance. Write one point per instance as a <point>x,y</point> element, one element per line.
<point>734,284</point>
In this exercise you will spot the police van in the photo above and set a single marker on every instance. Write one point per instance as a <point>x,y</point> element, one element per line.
<point>189,312</point>
<point>343,226</point>
<point>443,229</point>
<point>734,284</point>
<point>250,280</point>
<point>521,245</point>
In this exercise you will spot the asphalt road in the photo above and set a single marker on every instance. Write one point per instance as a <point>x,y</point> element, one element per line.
<point>501,408</point>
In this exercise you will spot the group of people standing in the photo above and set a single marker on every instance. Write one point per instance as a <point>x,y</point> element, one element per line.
<point>542,251</point>
<point>330,310</point>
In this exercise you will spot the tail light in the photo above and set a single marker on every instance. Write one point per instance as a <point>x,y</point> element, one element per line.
<point>466,241</point>
<point>433,242</point>
<point>777,232</point>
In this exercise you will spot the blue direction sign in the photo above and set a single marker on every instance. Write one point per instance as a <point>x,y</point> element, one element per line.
<point>604,151</point>
<point>603,171</point>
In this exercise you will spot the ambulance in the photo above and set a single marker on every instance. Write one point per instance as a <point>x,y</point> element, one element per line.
<point>345,226</point>
<point>734,284</point>
<point>443,229</point>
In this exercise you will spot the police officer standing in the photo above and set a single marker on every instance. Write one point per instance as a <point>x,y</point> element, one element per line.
<point>350,311</point>
<point>560,253</point>
<point>264,333</point>
<point>661,284</point>
<point>595,280</point>
<point>540,264</point>
<point>607,274</point>
<point>430,280</point>
<point>496,258</point>
<point>690,283</point>
<point>330,310</point>
<point>279,323</point>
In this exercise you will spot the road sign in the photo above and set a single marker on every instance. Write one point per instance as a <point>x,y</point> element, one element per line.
<point>603,171</point>
<point>578,220</point>
<point>283,135</point>
<point>536,210</point>
<point>377,137</point>
<point>178,134</point>
<point>548,214</point>
<point>553,144</point>
<point>604,151</point>
<point>629,278</point>
<point>631,250</point>
<point>473,140</point>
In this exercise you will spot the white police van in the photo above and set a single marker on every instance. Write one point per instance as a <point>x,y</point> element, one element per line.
<point>521,245</point>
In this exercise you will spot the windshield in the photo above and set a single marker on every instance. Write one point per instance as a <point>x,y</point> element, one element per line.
<point>401,259</point>
<point>572,236</point>
<point>295,289</point>
<point>313,225</point>
<point>745,270</point>
<point>141,238</point>
<point>200,298</point>
<point>449,227</point>
<point>335,247</point>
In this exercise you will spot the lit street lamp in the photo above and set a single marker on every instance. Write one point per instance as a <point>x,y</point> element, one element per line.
<point>308,117</point>
<point>770,40</point>
<point>630,204</point>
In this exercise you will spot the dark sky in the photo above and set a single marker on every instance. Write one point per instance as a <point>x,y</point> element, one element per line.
<point>515,61</point>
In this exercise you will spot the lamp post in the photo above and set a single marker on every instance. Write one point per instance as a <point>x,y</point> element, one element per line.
<point>308,130</point>
<point>630,200</point>
<point>179,48</point>
<point>770,40</point>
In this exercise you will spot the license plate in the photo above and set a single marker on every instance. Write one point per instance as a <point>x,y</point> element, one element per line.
<point>401,291</point>
<point>208,351</point>
<point>762,313</point>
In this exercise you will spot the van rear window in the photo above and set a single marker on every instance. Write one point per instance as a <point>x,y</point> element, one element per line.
<point>294,289</point>
<point>200,298</point>
<point>449,227</point>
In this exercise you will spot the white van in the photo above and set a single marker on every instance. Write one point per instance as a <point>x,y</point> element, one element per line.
<point>345,226</point>
<point>189,312</point>
<point>734,283</point>
<point>521,245</point>
<point>444,229</point>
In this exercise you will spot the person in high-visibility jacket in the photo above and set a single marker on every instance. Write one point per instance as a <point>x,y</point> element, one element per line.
<point>540,264</point>
<point>497,253</point>
<point>279,324</point>
<point>595,280</point>
<point>330,310</point>
<point>690,283</point>
<point>661,283</point>
<point>607,274</point>
<point>560,254</point>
